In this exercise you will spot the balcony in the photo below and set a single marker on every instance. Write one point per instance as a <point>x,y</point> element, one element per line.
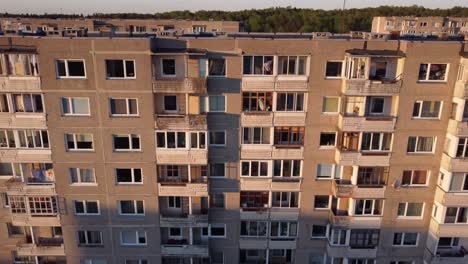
<point>342,188</point>
<point>35,220</point>
<point>350,158</point>
<point>271,152</point>
<point>366,123</point>
<point>20,84</point>
<point>50,246</point>
<point>458,128</point>
<point>180,122</point>
<point>23,120</point>
<point>184,250</point>
<point>182,186</point>
<point>188,220</point>
<point>258,119</point>
<point>193,85</point>
<point>274,83</point>
<point>289,119</point>
<point>26,155</point>
<point>454,164</point>
<point>448,229</point>
<point>16,187</point>
<point>371,87</point>
<point>192,211</point>
<point>444,256</point>
<point>268,213</point>
<point>253,242</point>
<point>451,198</point>
<point>189,242</point>
<point>350,252</point>
<point>182,156</point>
<point>341,218</point>
<point>268,183</point>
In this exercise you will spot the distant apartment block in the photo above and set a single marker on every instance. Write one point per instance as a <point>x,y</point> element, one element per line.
<point>11,25</point>
<point>225,150</point>
<point>425,26</point>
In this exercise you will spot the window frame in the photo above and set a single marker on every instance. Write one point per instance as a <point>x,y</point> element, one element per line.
<point>324,133</point>
<point>124,62</point>
<point>420,108</point>
<point>67,76</point>
<point>251,169</point>
<point>216,75</point>
<point>258,230</point>
<point>426,78</point>
<point>135,208</point>
<point>323,105</point>
<point>86,236</point>
<point>137,237</point>
<point>127,105</point>
<point>374,202</point>
<point>217,145</point>
<point>252,65</point>
<point>334,77</point>
<point>162,67</point>
<point>402,242</point>
<point>78,174</point>
<point>70,104</point>
<point>132,175</point>
<point>85,208</point>
<point>75,142</point>
<point>404,216</point>
<point>295,107</point>
<point>411,184</point>
<point>130,143</point>
<point>328,204</point>
<point>296,65</point>
<point>325,236</point>
<point>282,168</point>
<point>415,151</point>
<point>216,176</point>
<point>187,141</point>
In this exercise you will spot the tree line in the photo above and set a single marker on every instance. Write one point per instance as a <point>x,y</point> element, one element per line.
<point>282,19</point>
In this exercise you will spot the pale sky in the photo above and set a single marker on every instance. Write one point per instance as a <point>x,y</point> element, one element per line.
<point>155,6</point>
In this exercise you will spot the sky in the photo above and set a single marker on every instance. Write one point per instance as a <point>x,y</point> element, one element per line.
<point>155,6</point>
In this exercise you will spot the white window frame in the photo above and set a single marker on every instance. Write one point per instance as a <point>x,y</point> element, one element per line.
<point>164,104</point>
<point>127,104</point>
<point>406,211</point>
<point>381,142</point>
<point>342,70</point>
<point>327,231</point>
<point>85,207</point>
<point>326,146</point>
<point>323,208</point>
<point>434,142</point>
<point>335,168</point>
<point>428,174</point>
<point>259,168</point>
<point>373,202</point>
<point>426,79</point>
<point>67,70</point>
<point>295,94</point>
<point>135,207</point>
<point>162,67</point>
<point>199,135</point>
<point>137,236</point>
<point>17,134</point>
<point>87,239</point>
<point>252,132</point>
<point>216,176</point>
<point>296,66</point>
<point>72,110</point>
<point>293,162</point>
<point>456,216</point>
<point>217,145</point>
<point>421,102</point>
<point>223,226</point>
<point>130,143</point>
<point>338,233</point>
<point>248,223</point>
<point>14,106</point>
<point>402,244</point>
<point>288,229</point>
<point>282,193</point>
<point>323,104</point>
<point>75,142</point>
<point>132,171</point>
<point>176,136</point>
<point>273,70</point>
<point>208,68</point>
<point>206,103</point>
<point>173,236</point>
<point>125,77</point>
<point>78,175</point>
<point>174,202</point>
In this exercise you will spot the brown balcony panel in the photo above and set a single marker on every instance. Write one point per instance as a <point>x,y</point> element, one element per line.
<point>29,220</point>
<point>182,122</point>
<point>24,120</point>
<point>258,119</point>
<point>289,119</point>
<point>184,250</point>
<point>21,188</point>
<point>192,220</point>
<point>185,85</point>
<point>368,87</point>
<point>20,84</point>
<point>26,155</point>
<point>342,189</point>
<point>291,84</point>
<point>258,83</point>
<point>451,198</point>
<point>350,158</point>
<point>182,156</point>
<point>340,251</point>
<point>189,189</point>
<point>361,123</point>
<point>40,250</point>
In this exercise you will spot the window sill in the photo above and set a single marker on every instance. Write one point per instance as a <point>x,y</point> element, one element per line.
<point>81,150</point>
<point>327,147</point>
<point>76,115</point>
<point>117,115</point>
<point>120,78</point>
<point>71,78</point>
<point>83,184</point>
<point>409,218</point>
<point>431,81</point>
<point>333,78</point>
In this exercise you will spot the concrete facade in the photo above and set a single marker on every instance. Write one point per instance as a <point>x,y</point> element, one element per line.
<point>424,26</point>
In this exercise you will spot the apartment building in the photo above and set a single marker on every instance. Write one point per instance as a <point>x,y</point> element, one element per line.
<point>70,26</point>
<point>234,149</point>
<point>425,26</point>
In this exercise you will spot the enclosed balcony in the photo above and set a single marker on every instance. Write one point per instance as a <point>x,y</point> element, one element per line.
<point>179,70</point>
<point>374,149</point>
<point>42,241</point>
<point>182,180</point>
<point>373,72</point>
<point>361,182</point>
<point>183,211</point>
<point>30,178</point>
<point>181,147</point>
<point>183,241</point>
<point>180,112</point>
<point>22,110</point>
<point>34,210</point>
<point>19,70</point>
<point>359,213</point>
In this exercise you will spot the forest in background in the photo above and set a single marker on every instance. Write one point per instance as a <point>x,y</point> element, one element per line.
<point>283,19</point>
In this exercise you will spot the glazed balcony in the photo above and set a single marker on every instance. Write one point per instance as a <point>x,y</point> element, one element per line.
<point>45,246</point>
<point>366,123</point>
<point>271,152</point>
<point>182,156</point>
<point>274,83</point>
<point>180,122</point>
<point>341,218</point>
<point>350,158</point>
<point>443,256</point>
<point>268,183</point>
<point>189,211</point>
<point>182,186</point>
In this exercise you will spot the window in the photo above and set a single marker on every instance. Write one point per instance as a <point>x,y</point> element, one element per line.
<point>368,207</point>
<point>174,202</point>
<point>15,230</point>
<point>285,199</point>
<point>459,182</point>
<point>290,102</point>
<point>253,200</point>
<point>319,231</point>
<point>362,261</point>
<point>448,242</point>
<point>217,200</point>
<point>35,139</point>
<point>80,176</point>
<point>216,67</point>
<point>456,215</point>
<point>130,142</point>
<point>131,207</point>
<point>256,135</point>
<point>376,106</point>
<point>418,144</point>
<point>79,141</point>
<point>257,101</point>
<point>427,109</point>
<point>217,230</point>
<point>338,237</point>
<point>218,138</point>
<point>217,170</point>
<point>128,176</point>
<point>175,232</point>
<point>254,228</point>
<point>174,173</point>
<point>372,176</point>
<point>376,141</point>
<point>136,261</point>
<point>287,168</point>
<point>170,103</point>
<point>328,171</point>
<point>133,238</point>
<point>27,103</point>
<point>4,199</point>
<point>168,67</point>
<point>321,202</point>
<point>124,106</point>
<point>120,69</point>
<point>330,105</point>
<point>254,168</point>
<point>258,65</point>
<point>289,136</point>
<point>405,239</point>
<point>462,148</point>
<point>4,107</point>
<point>364,238</point>
<point>86,207</point>
<point>333,69</point>
<point>17,204</point>
<point>292,65</point>
<point>285,229</point>
<point>70,69</point>
<point>75,106</point>
<point>171,140</point>
<point>432,72</point>
<point>198,140</point>
<point>410,210</point>
<point>327,139</point>
<point>414,178</point>
<point>20,64</point>
<point>216,257</point>
<point>89,238</point>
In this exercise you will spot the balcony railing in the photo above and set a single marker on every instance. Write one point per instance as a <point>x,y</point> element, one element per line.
<point>343,188</point>
<point>372,87</point>
<point>196,85</point>
<point>366,123</point>
<point>181,122</point>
